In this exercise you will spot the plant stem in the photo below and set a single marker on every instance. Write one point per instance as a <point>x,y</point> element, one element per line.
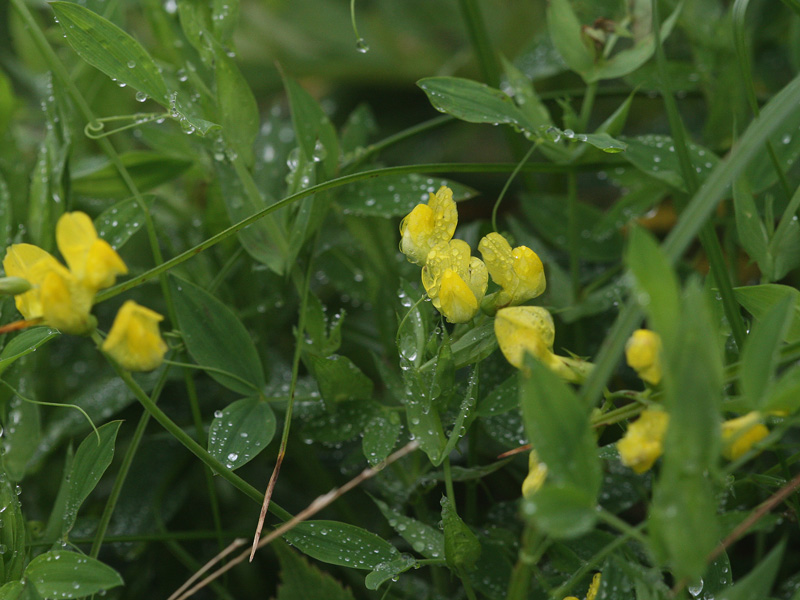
<point>531,550</point>
<point>587,105</point>
<point>479,37</point>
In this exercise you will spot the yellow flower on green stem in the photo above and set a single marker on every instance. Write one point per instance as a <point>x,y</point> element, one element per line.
<point>643,353</point>
<point>134,340</point>
<point>739,435</point>
<point>591,593</point>
<point>518,271</point>
<point>455,280</point>
<point>643,443</point>
<point>428,225</point>
<point>521,329</point>
<point>63,297</point>
<point>537,472</point>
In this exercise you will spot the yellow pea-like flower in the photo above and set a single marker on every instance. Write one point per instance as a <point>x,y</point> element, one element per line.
<point>31,263</point>
<point>643,353</point>
<point>591,593</point>
<point>134,340</point>
<point>643,443</point>
<point>518,271</point>
<point>521,329</point>
<point>428,225</point>
<point>455,281</point>
<point>537,472</point>
<point>91,259</point>
<point>739,435</point>
<point>65,303</point>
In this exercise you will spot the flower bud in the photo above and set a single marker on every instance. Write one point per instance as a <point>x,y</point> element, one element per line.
<point>134,340</point>
<point>643,353</point>
<point>739,435</point>
<point>643,443</point>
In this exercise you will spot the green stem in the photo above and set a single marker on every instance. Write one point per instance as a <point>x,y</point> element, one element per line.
<point>573,234</point>
<point>448,483</point>
<point>508,183</point>
<point>587,105</point>
<point>479,37</point>
<point>531,550</point>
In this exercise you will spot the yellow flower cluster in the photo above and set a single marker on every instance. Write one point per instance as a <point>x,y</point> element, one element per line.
<point>591,593</point>
<point>62,297</point>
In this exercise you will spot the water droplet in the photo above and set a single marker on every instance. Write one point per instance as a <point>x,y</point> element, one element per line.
<point>361,46</point>
<point>141,96</point>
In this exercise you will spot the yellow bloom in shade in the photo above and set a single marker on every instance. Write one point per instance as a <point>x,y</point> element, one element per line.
<point>643,353</point>
<point>519,271</point>
<point>134,340</point>
<point>643,443</point>
<point>537,471</point>
<point>91,259</point>
<point>455,281</point>
<point>428,225</point>
<point>521,329</point>
<point>63,297</point>
<point>739,435</point>
<point>591,594</point>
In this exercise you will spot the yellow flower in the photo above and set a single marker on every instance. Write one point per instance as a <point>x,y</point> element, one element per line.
<point>739,435</point>
<point>643,443</point>
<point>591,593</point>
<point>62,297</point>
<point>134,340</point>
<point>643,353</point>
<point>521,329</point>
<point>537,471</point>
<point>428,225</point>
<point>454,280</point>
<point>519,272</point>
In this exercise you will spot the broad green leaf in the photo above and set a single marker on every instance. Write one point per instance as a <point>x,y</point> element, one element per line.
<point>224,18</point>
<point>13,533</point>
<point>426,540</point>
<point>300,580</point>
<point>657,288</point>
<point>388,570</point>
<point>395,195</point>
<point>752,233</point>
<point>380,436</point>
<point>356,131</point>
<point>557,424</point>
<point>8,102</point>
<point>333,424</point>
<point>762,351</point>
<point>501,399</point>
<point>561,510</point>
<point>147,169</point>
<point>108,48</point>
<point>316,136</point>
<point>461,547</point>
<point>717,577</point>
<point>195,19</point>
<point>655,156</point>
<point>758,582</point>
<point>216,339</point>
<point>339,378</point>
<point>22,429</point>
<point>785,394</point>
<point>240,431</point>
<point>475,345</point>
<point>237,106</point>
<point>566,33</point>
<point>12,590</point>
<point>63,574</point>
<point>758,300</point>
<point>601,141</point>
<point>91,460</point>
<point>476,103</point>
<point>25,343</point>
<point>341,544</point>
<point>525,97</point>
<point>466,415</point>
<point>426,427</point>
<point>119,222</point>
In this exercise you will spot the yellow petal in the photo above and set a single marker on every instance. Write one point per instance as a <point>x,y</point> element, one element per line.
<point>428,225</point>
<point>75,235</point>
<point>519,272</point>
<point>643,443</point>
<point>456,300</point>
<point>496,252</point>
<point>66,303</point>
<point>32,264</point>
<point>643,353</point>
<point>134,340</point>
<point>525,328</point>
<point>529,271</point>
<point>103,264</point>
<point>739,435</point>
<point>595,585</point>
<point>537,472</point>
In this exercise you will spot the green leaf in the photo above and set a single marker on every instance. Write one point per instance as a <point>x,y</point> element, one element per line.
<point>565,31</point>
<point>339,378</point>
<point>525,97</point>
<point>341,544</point>
<point>108,48</point>
<point>466,415</point>
<point>602,141</point>
<point>119,222</point>
<point>461,547</point>
<point>240,431</point>
<point>388,570</point>
<point>762,351</point>
<point>316,135</point>
<point>395,195</point>
<point>25,343</point>
<point>557,424</point>
<point>752,233</point>
<point>561,510</point>
<point>426,427</point>
<point>300,581</point>
<point>475,102</point>
<point>237,106</point>
<point>758,300</point>
<point>655,155</point>
<point>758,582</point>
<point>474,345</point>
<point>656,283</point>
<point>380,436</point>
<point>91,460</point>
<point>22,432</point>
<point>147,169</point>
<point>785,394</point>
<point>426,540</point>
<point>501,399</point>
<point>63,574</point>
<point>6,213</point>
<point>12,590</point>
<point>13,532</point>
<point>216,339</point>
